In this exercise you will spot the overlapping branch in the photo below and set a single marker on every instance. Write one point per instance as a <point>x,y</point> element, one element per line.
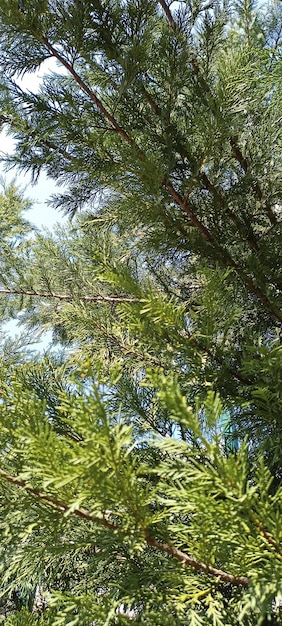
<point>83,85</point>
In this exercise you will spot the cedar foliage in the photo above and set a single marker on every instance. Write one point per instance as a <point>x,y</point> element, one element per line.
<point>123,495</point>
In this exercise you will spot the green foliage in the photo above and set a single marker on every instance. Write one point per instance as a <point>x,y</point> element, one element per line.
<point>122,497</point>
<point>117,492</point>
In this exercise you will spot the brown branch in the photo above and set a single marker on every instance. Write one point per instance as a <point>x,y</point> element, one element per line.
<point>248,282</point>
<point>156,363</point>
<point>255,185</point>
<point>56,503</point>
<point>111,119</point>
<point>183,203</point>
<point>168,13</point>
<point>68,298</point>
<point>197,565</point>
<point>256,291</point>
<point>120,300</point>
<point>111,300</point>
<point>124,135</point>
<point>186,207</point>
<point>244,229</point>
<point>242,379</point>
<point>154,106</point>
<point>128,349</point>
<point>241,159</point>
<point>146,357</point>
<point>107,299</point>
<point>266,535</point>
<point>184,558</point>
<point>249,236</point>
<point>120,344</point>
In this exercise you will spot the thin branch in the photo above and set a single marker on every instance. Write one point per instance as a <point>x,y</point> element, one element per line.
<point>57,504</point>
<point>124,135</point>
<point>193,339</point>
<point>111,119</point>
<point>266,535</point>
<point>167,11</point>
<point>256,291</point>
<point>120,344</point>
<point>184,558</point>
<point>248,282</point>
<point>107,299</point>
<point>154,106</point>
<point>242,379</point>
<point>255,185</point>
<point>69,298</point>
<point>197,565</point>
<point>128,349</point>
<point>186,207</point>
<point>245,229</point>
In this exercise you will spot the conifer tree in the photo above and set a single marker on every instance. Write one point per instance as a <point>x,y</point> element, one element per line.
<point>123,498</point>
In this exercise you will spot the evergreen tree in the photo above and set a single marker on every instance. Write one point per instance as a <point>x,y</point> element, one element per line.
<point>122,497</point>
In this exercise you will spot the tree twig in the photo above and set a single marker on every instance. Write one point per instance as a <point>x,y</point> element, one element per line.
<point>69,298</point>
<point>168,13</point>
<point>197,565</point>
<point>266,535</point>
<point>100,106</point>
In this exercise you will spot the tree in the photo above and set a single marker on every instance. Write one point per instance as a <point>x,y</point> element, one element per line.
<point>120,496</point>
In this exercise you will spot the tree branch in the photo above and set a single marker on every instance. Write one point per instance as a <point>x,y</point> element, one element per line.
<point>184,558</point>
<point>56,503</point>
<point>128,349</point>
<point>186,207</point>
<point>220,361</point>
<point>245,229</point>
<point>167,11</point>
<point>68,298</point>
<point>255,185</point>
<point>120,344</point>
<point>197,565</point>
<point>226,256</point>
<point>266,535</point>
<point>111,119</point>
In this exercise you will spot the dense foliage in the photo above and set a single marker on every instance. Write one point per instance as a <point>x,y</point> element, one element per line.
<point>140,475</point>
